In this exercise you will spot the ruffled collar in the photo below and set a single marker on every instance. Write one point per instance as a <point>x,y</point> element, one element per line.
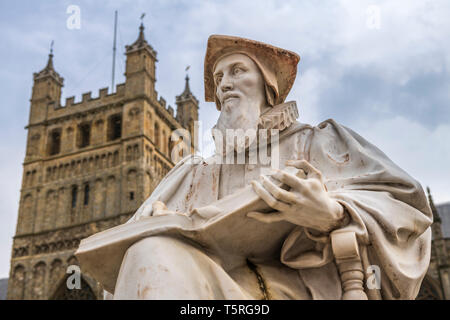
<point>279,117</point>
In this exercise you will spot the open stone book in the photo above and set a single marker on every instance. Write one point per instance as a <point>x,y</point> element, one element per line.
<point>221,227</point>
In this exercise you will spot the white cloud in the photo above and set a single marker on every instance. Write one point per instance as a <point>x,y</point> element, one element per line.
<point>423,153</point>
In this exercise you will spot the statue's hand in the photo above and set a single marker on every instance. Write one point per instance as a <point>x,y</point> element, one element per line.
<point>159,209</point>
<point>307,203</point>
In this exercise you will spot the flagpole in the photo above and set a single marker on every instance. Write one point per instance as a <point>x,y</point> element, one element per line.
<point>114,52</point>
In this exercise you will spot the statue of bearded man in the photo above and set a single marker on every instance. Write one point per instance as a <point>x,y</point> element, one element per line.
<point>335,208</point>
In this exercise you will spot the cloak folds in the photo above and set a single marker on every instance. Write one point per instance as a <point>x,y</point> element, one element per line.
<point>388,209</point>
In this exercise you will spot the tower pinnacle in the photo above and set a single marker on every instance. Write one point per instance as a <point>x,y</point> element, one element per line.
<point>187,90</point>
<point>141,42</point>
<point>49,69</point>
<point>49,65</point>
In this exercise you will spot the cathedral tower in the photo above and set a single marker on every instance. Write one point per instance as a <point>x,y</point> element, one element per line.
<point>88,166</point>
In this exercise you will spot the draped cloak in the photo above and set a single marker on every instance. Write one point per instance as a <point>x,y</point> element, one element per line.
<point>388,211</point>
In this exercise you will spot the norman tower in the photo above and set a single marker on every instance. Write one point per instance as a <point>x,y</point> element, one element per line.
<point>88,167</point>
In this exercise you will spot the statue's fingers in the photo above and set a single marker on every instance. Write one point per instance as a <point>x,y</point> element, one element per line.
<point>268,198</point>
<point>311,172</point>
<point>289,179</point>
<point>266,217</point>
<point>277,192</point>
<point>158,206</point>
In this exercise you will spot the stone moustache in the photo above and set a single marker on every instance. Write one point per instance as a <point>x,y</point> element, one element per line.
<point>310,229</point>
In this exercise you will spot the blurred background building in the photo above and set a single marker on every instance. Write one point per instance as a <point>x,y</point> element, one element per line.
<point>436,285</point>
<point>88,167</point>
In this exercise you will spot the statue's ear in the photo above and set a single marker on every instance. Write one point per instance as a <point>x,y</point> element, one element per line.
<point>270,95</point>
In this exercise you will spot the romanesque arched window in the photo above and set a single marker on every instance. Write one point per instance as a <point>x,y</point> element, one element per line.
<point>84,135</point>
<point>132,184</point>
<point>129,153</point>
<point>164,139</point>
<point>18,288</point>
<point>86,194</point>
<point>157,137</point>
<point>48,176</point>
<point>148,184</point>
<point>171,144</point>
<point>116,158</point>
<point>69,138</point>
<point>67,170</point>
<point>38,283</point>
<point>84,165</point>
<point>26,220</point>
<point>54,142</point>
<point>103,161</point>
<point>111,196</point>
<point>33,177</point>
<point>91,164</point>
<point>136,154</point>
<point>114,127</point>
<point>74,195</point>
<point>27,179</point>
<point>56,273</point>
<point>110,160</point>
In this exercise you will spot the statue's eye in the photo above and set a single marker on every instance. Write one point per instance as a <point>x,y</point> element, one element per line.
<point>218,79</point>
<point>237,70</point>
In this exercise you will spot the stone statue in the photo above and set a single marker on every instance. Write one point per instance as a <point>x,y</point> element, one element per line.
<point>333,219</point>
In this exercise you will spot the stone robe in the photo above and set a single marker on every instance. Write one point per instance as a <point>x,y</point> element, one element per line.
<point>388,211</point>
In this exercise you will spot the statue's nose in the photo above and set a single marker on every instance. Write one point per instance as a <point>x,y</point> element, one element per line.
<point>226,84</point>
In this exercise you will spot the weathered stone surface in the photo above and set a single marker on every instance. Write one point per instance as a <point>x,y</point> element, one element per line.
<point>329,216</point>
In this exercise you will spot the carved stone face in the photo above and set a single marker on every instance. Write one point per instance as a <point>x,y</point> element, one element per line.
<point>237,76</point>
<point>240,91</point>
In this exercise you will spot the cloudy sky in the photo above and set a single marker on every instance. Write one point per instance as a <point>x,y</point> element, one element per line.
<point>381,68</point>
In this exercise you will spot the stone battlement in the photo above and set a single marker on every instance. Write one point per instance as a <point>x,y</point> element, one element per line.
<point>87,102</point>
<point>102,94</point>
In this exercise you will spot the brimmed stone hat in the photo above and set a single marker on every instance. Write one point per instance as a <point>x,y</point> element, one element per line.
<point>278,66</point>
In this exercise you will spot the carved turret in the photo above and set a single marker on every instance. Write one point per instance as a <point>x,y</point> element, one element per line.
<point>46,91</point>
<point>140,67</point>
<point>187,108</point>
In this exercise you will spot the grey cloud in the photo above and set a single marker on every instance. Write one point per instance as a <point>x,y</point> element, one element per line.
<point>360,93</point>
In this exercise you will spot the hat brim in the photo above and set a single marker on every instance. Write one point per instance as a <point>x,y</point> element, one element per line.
<point>282,63</point>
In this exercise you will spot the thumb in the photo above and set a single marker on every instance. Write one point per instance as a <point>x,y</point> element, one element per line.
<point>158,206</point>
